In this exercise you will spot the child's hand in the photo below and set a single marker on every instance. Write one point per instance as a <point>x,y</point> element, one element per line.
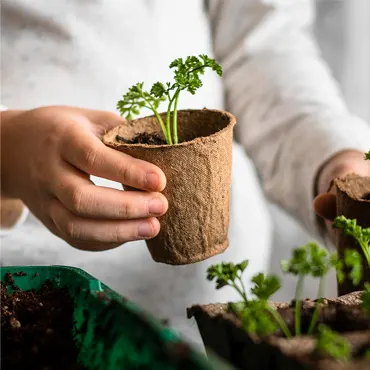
<point>339,166</point>
<point>47,157</point>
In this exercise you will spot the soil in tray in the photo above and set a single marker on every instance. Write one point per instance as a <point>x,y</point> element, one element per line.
<point>36,329</point>
<point>143,138</point>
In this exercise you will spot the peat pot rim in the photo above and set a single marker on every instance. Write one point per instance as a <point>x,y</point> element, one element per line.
<point>113,143</point>
<point>352,176</point>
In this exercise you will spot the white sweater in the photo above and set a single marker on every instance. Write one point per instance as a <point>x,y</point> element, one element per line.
<point>291,115</point>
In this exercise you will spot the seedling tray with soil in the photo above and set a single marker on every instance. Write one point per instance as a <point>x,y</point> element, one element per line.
<point>222,331</point>
<point>259,334</point>
<point>59,317</point>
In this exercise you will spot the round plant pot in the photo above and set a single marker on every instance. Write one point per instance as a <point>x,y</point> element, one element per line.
<point>198,172</point>
<point>353,202</point>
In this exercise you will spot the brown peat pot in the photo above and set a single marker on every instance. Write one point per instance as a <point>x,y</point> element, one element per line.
<point>353,202</point>
<point>222,333</point>
<point>198,172</point>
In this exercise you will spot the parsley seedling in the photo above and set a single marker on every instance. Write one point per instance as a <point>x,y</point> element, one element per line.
<point>308,260</point>
<point>256,315</point>
<point>330,343</point>
<point>229,274</point>
<point>187,77</point>
<point>312,260</point>
<point>350,228</point>
<point>353,260</point>
<point>263,288</point>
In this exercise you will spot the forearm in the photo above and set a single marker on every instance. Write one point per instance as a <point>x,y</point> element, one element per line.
<point>9,144</point>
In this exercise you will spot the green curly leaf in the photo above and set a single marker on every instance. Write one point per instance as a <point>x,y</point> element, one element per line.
<point>265,286</point>
<point>338,264</point>
<point>353,260</point>
<point>332,344</point>
<point>135,99</point>
<point>361,235</point>
<point>309,259</point>
<point>224,273</point>
<point>256,319</point>
<point>158,90</point>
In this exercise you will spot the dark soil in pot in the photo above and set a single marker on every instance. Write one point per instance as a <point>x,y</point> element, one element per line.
<point>36,329</point>
<point>353,202</point>
<point>198,172</point>
<point>221,332</point>
<point>144,138</point>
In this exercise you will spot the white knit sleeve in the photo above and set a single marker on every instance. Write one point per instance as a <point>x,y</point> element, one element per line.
<point>291,115</point>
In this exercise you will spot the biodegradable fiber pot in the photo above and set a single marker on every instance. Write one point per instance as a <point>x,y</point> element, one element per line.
<point>353,202</point>
<point>198,172</point>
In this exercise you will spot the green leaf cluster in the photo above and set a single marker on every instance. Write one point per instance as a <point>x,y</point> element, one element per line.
<point>309,259</point>
<point>361,235</point>
<point>187,76</point>
<point>255,313</point>
<point>259,317</point>
<point>331,344</point>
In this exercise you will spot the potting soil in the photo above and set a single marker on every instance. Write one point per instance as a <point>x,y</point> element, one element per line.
<point>36,329</point>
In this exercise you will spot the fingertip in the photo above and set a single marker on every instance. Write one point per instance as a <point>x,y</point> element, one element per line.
<point>149,228</point>
<point>162,181</point>
<point>155,181</point>
<point>156,226</point>
<point>325,206</point>
<point>165,203</point>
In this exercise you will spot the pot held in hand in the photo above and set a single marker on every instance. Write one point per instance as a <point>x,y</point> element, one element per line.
<point>198,172</point>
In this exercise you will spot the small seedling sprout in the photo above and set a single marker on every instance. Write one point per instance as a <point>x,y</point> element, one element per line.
<point>256,314</point>
<point>186,77</point>
<point>361,235</point>
<point>308,260</point>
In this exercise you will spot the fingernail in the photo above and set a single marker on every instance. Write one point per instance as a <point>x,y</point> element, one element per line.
<point>152,181</point>
<point>145,230</point>
<point>155,207</point>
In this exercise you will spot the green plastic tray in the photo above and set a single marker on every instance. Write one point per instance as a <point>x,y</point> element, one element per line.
<point>114,333</point>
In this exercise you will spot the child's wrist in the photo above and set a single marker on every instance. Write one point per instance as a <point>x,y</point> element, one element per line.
<point>8,134</point>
